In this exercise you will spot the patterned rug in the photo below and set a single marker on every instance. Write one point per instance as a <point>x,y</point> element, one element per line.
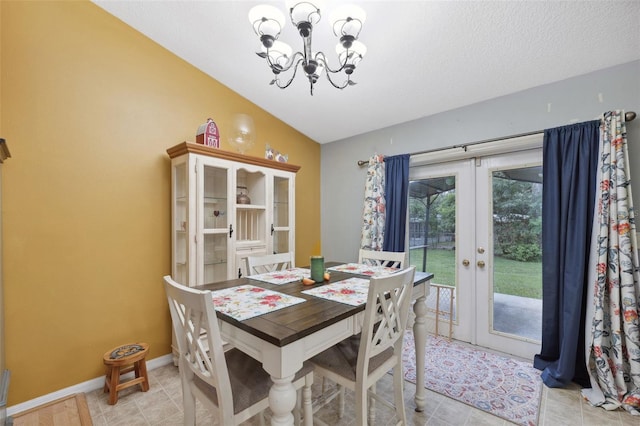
<point>499,385</point>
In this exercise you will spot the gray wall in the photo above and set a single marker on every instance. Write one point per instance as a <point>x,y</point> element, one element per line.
<point>574,99</point>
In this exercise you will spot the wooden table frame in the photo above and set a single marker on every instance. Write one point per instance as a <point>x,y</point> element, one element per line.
<point>282,340</point>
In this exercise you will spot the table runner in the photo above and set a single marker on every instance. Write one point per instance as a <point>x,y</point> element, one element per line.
<point>362,269</point>
<point>282,277</point>
<point>248,301</point>
<point>352,291</point>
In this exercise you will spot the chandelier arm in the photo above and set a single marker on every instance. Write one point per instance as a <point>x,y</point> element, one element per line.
<point>289,63</point>
<point>320,57</point>
<point>346,83</point>
<point>295,70</point>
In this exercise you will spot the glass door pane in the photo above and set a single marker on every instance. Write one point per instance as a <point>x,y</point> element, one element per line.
<point>432,240</point>
<point>432,227</point>
<point>215,257</point>
<point>180,270</point>
<point>280,241</point>
<point>213,219</point>
<point>280,202</point>
<point>215,198</point>
<point>441,240</point>
<point>280,226</point>
<point>517,251</point>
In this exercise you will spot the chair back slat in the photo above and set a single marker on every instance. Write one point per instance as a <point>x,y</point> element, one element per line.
<point>269,263</point>
<point>390,259</point>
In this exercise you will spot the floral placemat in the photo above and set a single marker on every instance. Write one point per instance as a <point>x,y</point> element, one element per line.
<point>282,277</point>
<point>361,269</point>
<point>248,301</point>
<point>352,291</point>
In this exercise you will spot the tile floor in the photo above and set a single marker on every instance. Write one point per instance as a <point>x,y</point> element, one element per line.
<point>162,405</point>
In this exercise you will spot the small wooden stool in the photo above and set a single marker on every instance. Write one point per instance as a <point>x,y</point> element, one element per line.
<point>122,360</point>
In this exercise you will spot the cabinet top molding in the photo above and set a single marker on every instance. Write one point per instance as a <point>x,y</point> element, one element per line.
<point>196,148</point>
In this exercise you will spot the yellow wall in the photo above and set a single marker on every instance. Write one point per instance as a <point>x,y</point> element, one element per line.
<point>89,107</point>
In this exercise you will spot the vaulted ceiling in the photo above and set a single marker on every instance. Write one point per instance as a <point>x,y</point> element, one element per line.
<point>423,57</point>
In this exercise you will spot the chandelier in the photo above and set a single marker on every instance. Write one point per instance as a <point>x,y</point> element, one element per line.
<point>346,22</point>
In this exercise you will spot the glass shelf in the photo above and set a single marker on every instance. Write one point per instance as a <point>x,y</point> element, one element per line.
<point>215,200</point>
<point>215,262</point>
<point>250,207</point>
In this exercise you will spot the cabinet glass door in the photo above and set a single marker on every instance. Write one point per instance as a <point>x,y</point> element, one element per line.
<point>214,225</point>
<point>215,207</point>
<point>280,227</point>
<point>180,268</point>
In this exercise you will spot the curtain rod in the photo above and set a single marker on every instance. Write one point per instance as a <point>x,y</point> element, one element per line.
<point>628,116</point>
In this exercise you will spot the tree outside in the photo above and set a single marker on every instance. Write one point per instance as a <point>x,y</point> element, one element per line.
<point>517,218</point>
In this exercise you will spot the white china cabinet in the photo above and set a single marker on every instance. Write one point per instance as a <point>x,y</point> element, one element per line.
<point>226,206</point>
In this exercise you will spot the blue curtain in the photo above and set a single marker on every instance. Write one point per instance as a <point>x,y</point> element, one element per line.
<point>570,158</point>
<point>396,193</point>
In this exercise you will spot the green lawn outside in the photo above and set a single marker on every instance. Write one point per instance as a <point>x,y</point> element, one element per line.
<point>510,276</point>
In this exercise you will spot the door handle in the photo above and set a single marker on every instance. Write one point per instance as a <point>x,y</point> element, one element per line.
<point>480,263</point>
<point>465,262</point>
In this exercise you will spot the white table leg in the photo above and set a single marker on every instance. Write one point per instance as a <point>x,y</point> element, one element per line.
<point>282,401</point>
<point>420,340</point>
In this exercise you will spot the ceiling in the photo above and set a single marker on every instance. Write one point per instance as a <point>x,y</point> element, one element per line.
<point>423,57</point>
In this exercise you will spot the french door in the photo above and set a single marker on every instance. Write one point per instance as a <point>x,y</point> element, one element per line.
<point>476,224</point>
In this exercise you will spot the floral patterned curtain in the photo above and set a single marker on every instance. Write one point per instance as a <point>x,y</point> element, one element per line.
<point>373,215</point>
<point>613,348</point>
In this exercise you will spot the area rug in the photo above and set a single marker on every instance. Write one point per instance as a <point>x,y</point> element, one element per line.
<point>499,385</point>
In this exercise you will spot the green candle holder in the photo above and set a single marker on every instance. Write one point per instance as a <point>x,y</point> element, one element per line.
<point>317,268</point>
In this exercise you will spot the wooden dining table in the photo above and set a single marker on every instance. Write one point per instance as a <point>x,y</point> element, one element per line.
<point>282,340</point>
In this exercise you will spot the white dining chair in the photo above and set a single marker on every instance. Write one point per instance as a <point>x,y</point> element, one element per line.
<point>269,263</point>
<point>231,384</point>
<point>374,258</point>
<point>391,259</point>
<point>358,362</point>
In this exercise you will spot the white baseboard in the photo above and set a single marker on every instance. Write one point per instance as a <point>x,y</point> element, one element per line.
<point>84,387</point>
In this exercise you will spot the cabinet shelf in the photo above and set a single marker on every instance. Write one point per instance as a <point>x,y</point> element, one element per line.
<point>215,200</point>
<point>250,207</point>
<point>249,243</point>
<point>215,262</point>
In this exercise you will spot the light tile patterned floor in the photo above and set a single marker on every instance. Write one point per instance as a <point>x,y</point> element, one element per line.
<point>162,405</point>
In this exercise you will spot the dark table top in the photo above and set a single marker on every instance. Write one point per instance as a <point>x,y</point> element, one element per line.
<point>289,324</point>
